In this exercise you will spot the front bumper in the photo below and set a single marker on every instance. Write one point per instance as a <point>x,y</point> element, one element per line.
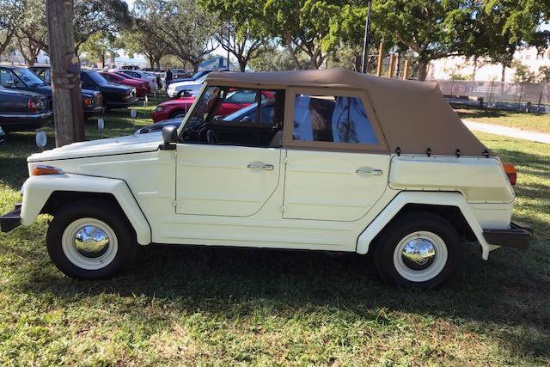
<point>11,220</point>
<point>94,111</point>
<point>516,236</point>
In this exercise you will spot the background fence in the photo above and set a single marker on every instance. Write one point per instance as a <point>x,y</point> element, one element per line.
<point>526,97</point>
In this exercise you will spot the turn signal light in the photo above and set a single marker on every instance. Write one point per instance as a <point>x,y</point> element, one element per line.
<point>510,172</point>
<point>42,170</point>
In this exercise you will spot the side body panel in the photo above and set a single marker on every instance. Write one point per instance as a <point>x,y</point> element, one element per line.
<point>335,186</point>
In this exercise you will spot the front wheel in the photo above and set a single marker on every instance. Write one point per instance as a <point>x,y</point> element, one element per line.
<point>90,239</point>
<point>418,250</point>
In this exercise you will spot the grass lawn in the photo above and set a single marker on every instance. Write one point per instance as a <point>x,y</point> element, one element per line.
<point>206,306</point>
<point>518,120</point>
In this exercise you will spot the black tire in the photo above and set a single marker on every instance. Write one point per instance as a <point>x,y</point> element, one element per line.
<point>177,114</point>
<point>104,221</point>
<point>420,264</point>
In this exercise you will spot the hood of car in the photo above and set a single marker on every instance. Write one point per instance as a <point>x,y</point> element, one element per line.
<point>101,147</point>
<point>114,88</point>
<point>89,93</point>
<point>187,101</point>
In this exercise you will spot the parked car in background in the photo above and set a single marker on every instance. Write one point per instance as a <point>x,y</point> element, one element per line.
<point>25,79</point>
<point>3,136</point>
<point>23,111</point>
<point>130,67</point>
<point>183,89</point>
<point>234,101</point>
<point>114,95</point>
<point>157,126</point>
<point>180,74</point>
<point>245,115</point>
<point>142,87</point>
<point>176,78</point>
<point>143,75</point>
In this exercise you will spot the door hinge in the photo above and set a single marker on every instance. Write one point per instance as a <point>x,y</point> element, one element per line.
<point>174,204</point>
<point>282,208</point>
<point>175,155</point>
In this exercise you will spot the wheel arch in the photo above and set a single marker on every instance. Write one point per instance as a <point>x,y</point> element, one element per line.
<point>46,194</point>
<point>449,205</point>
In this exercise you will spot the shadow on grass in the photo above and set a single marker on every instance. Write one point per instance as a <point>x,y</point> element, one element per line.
<point>465,112</point>
<point>497,298</point>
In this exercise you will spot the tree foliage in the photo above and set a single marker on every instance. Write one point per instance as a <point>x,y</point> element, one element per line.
<point>242,33</point>
<point>11,12</point>
<point>186,29</point>
<point>90,17</point>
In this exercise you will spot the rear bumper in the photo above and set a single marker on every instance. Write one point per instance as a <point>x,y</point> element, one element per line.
<point>25,122</point>
<point>516,236</point>
<point>11,220</point>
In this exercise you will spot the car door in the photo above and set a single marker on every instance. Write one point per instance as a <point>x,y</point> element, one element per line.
<point>225,180</point>
<point>337,162</point>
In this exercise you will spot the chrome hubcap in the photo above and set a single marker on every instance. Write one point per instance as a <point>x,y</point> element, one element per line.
<point>418,254</point>
<point>91,241</point>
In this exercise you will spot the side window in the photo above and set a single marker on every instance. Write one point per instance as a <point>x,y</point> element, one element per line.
<point>6,79</point>
<point>338,119</point>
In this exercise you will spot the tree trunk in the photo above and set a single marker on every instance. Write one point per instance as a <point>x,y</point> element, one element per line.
<point>503,74</point>
<point>423,71</point>
<point>242,64</point>
<point>65,71</point>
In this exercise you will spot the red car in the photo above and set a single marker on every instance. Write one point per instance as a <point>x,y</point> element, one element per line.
<point>142,87</point>
<point>234,101</point>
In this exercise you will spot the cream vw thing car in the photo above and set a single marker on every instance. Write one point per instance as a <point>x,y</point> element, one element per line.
<point>341,162</point>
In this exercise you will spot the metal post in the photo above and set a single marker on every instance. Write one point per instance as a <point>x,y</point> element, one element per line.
<point>366,43</point>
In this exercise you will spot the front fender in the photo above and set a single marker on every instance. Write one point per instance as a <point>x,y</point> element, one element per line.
<point>38,189</point>
<point>426,198</point>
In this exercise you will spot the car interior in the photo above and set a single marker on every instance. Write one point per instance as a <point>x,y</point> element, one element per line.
<point>259,127</point>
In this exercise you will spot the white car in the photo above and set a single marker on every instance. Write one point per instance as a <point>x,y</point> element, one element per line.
<point>190,88</point>
<point>149,77</point>
<point>346,162</point>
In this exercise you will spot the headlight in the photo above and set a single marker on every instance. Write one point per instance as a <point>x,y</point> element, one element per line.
<point>159,109</point>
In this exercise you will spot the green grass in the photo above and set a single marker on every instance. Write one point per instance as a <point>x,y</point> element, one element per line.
<point>524,121</point>
<point>205,306</point>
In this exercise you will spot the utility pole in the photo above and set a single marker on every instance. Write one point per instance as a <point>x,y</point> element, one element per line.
<point>366,44</point>
<point>65,73</point>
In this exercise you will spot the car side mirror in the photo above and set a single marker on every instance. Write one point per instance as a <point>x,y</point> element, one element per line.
<point>170,138</point>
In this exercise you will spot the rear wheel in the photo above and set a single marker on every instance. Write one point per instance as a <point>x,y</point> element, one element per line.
<point>417,250</point>
<point>90,240</point>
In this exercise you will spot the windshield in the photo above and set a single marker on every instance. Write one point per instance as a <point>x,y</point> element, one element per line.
<point>27,76</point>
<point>96,77</point>
<point>203,107</point>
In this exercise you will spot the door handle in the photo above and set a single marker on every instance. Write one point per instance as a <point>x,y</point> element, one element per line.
<point>367,171</point>
<point>256,166</point>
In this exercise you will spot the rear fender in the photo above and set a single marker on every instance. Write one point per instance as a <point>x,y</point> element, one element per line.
<point>425,198</point>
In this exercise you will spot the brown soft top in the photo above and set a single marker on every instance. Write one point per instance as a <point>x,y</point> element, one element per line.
<point>413,115</point>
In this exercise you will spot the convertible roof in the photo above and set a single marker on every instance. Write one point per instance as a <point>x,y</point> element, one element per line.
<point>413,115</point>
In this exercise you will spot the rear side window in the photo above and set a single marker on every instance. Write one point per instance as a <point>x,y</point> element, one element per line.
<point>338,119</point>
